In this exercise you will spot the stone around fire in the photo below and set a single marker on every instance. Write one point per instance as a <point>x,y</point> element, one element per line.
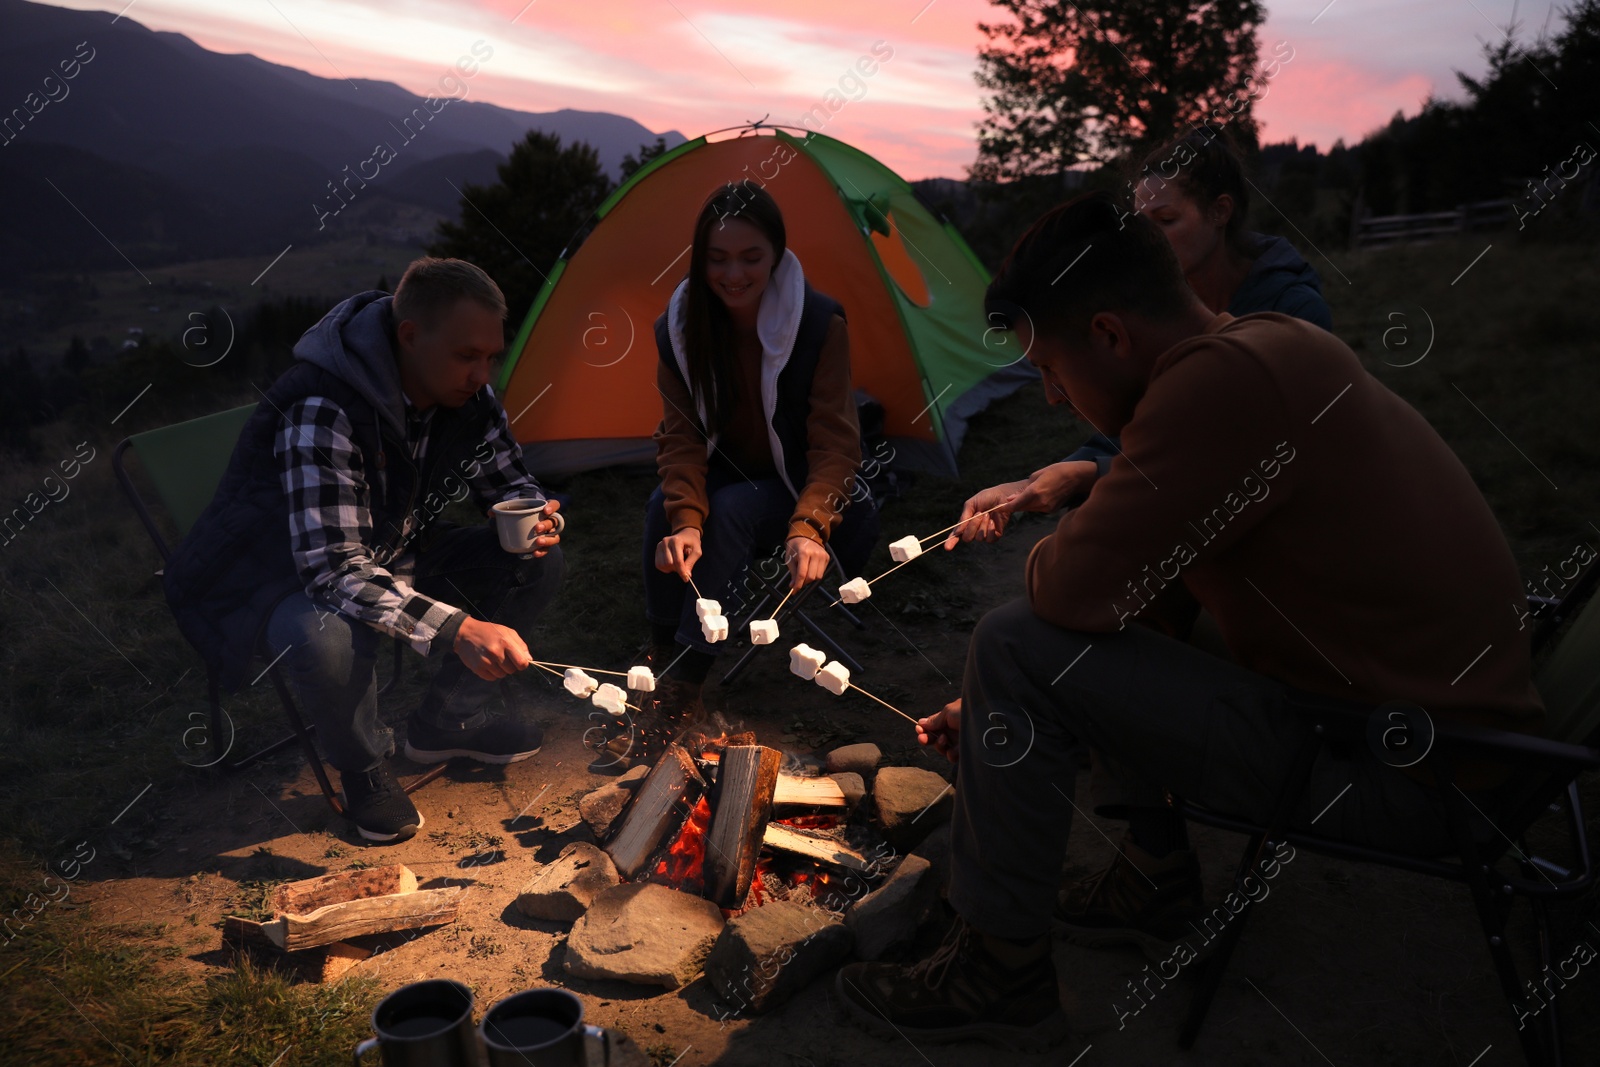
<point>912,803</point>
<point>766,955</point>
<point>563,890</point>
<point>644,933</point>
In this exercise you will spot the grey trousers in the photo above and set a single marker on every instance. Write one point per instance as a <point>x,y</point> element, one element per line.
<point>1158,715</point>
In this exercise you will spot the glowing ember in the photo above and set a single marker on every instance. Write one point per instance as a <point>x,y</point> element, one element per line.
<point>684,865</point>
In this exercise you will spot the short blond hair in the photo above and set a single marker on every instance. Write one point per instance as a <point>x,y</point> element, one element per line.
<point>431,286</point>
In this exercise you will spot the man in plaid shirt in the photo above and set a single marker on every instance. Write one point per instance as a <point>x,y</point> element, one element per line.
<point>324,535</point>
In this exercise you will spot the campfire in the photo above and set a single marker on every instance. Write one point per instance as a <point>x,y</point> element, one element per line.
<point>713,859</point>
<point>716,818</point>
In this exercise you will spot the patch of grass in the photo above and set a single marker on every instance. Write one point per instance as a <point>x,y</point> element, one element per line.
<point>1510,379</point>
<point>78,993</point>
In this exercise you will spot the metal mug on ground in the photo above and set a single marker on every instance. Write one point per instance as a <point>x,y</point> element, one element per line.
<point>537,1028</point>
<point>516,521</point>
<point>425,1024</point>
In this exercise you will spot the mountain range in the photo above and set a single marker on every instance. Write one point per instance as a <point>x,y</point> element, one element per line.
<point>173,152</point>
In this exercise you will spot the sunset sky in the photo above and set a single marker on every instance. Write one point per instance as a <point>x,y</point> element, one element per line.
<point>700,65</point>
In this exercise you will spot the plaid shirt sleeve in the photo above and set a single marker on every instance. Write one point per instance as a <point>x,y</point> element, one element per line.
<point>330,530</point>
<point>499,473</point>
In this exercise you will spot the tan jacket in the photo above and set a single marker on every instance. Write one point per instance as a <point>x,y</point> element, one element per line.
<point>833,445</point>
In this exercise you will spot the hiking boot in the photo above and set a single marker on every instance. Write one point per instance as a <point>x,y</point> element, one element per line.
<point>1137,900</point>
<point>498,739</point>
<point>379,807</point>
<point>973,987</point>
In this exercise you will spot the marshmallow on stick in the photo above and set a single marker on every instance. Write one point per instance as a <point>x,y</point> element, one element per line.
<point>835,678</point>
<point>642,679</point>
<point>704,607</point>
<point>806,661</point>
<point>907,548</point>
<point>611,698</point>
<point>763,631</point>
<point>714,627</point>
<point>579,683</point>
<point>855,591</point>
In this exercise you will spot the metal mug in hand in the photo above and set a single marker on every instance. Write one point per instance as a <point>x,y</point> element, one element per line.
<point>517,522</point>
<point>425,1024</point>
<point>536,1028</point>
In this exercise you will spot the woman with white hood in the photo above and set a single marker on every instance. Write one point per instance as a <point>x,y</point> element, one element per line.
<point>758,446</point>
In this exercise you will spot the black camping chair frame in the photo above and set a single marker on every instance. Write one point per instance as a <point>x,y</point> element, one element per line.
<point>1550,783</point>
<point>773,591</point>
<point>301,731</point>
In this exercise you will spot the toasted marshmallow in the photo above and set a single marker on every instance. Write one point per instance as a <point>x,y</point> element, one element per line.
<point>855,591</point>
<point>908,547</point>
<point>578,682</point>
<point>611,698</point>
<point>806,661</point>
<point>835,678</point>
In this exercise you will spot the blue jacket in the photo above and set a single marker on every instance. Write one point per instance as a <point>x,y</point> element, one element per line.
<point>1279,280</point>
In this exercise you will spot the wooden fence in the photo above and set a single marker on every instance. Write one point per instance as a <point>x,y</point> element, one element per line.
<point>1379,230</point>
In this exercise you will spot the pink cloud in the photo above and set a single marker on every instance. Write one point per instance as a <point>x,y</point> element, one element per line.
<point>1321,100</point>
<point>710,64</point>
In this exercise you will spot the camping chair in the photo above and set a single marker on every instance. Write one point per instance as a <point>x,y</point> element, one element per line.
<point>185,463</point>
<point>1547,771</point>
<point>773,591</point>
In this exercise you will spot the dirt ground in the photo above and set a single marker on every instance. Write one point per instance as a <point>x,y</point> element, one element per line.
<point>1342,964</point>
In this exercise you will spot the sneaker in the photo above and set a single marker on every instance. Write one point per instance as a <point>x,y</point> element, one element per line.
<point>500,739</point>
<point>379,807</point>
<point>1137,900</point>
<point>973,988</point>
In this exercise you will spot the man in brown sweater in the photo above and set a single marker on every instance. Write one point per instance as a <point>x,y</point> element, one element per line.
<point>1342,549</point>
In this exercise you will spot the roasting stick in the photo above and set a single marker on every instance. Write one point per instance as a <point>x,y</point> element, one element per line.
<point>963,522</point>
<point>781,603</point>
<point>590,670</point>
<point>544,667</point>
<point>885,703</point>
<point>922,540</point>
<point>879,578</point>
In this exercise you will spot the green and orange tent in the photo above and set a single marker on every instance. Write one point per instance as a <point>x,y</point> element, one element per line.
<point>579,380</point>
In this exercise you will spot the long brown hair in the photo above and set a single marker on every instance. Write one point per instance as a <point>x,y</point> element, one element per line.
<point>707,327</point>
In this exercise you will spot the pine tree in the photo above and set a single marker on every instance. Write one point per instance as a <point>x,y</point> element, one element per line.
<point>647,152</point>
<point>518,226</point>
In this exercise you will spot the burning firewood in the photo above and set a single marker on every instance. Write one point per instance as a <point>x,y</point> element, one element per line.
<point>747,775</point>
<point>794,791</point>
<point>826,850</point>
<point>657,812</point>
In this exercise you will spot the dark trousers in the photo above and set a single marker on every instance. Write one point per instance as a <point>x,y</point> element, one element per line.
<point>1158,715</point>
<point>747,519</point>
<point>331,660</point>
